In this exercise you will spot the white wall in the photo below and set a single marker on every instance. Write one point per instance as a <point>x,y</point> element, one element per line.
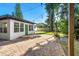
<point>5,35</point>
<point>14,35</point>
<point>31,32</point>
<point>11,35</point>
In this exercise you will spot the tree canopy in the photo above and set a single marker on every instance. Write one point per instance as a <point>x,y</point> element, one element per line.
<point>57,11</point>
<point>50,8</point>
<point>18,12</point>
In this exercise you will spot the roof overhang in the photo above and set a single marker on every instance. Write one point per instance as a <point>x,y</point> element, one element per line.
<point>15,18</point>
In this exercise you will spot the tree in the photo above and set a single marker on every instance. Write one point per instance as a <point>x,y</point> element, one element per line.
<point>76,14</point>
<point>41,25</point>
<point>62,26</point>
<point>57,17</point>
<point>64,11</point>
<point>18,12</point>
<point>63,22</point>
<point>71,31</point>
<point>50,8</point>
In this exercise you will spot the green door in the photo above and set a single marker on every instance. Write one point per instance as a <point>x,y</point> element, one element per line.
<point>26,29</point>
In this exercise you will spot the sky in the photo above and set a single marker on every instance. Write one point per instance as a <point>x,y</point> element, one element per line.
<point>34,12</point>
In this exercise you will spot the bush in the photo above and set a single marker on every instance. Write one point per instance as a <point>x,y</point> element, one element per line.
<point>57,35</point>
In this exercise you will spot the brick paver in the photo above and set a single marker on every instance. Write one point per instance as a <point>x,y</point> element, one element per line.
<point>21,47</point>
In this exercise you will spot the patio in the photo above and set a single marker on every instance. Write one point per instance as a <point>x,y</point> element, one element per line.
<point>42,45</point>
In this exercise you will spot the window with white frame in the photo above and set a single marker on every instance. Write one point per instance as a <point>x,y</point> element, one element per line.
<point>21,27</point>
<point>30,27</point>
<point>3,27</point>
<point>16,27</point>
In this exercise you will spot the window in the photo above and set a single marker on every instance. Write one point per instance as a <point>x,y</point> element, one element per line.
<point>21,27</point>
<point>16,27</point>
<point>3,27</point>
<point>30,27</point>
<point>0,27</point>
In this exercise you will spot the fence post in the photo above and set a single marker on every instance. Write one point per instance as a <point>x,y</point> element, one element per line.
<point>71,30</point>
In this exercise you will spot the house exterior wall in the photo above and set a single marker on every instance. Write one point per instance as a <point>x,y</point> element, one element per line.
<point>14,35</point>
<point>11,35</point>
<point>5,35</point>
<point>32,31</point>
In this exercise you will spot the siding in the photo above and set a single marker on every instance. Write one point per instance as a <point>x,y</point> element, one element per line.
<point>5,35</point>
<point>11,35</point>
<point>14,35</point>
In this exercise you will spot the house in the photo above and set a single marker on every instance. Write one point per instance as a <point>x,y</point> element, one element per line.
<point>12,27</point>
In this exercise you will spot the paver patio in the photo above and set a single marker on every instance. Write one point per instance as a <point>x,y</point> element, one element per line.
<point>31,45</point>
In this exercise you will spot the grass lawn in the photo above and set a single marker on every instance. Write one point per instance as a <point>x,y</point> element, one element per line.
<point>49,33</point>
<point>43,32</point>
<point>76,47</point>
<point>65,47</point>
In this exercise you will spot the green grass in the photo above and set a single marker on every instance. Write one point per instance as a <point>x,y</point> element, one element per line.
<point>65,47</point>
<point>43,32</point>
<point>76,48</point>
<point>49,33</point>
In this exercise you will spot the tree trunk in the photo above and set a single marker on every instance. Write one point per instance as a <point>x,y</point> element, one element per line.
<point>51,19</point>
<point>71,31</point>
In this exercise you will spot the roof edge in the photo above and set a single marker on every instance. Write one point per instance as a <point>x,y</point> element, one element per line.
<point>15,18</point>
